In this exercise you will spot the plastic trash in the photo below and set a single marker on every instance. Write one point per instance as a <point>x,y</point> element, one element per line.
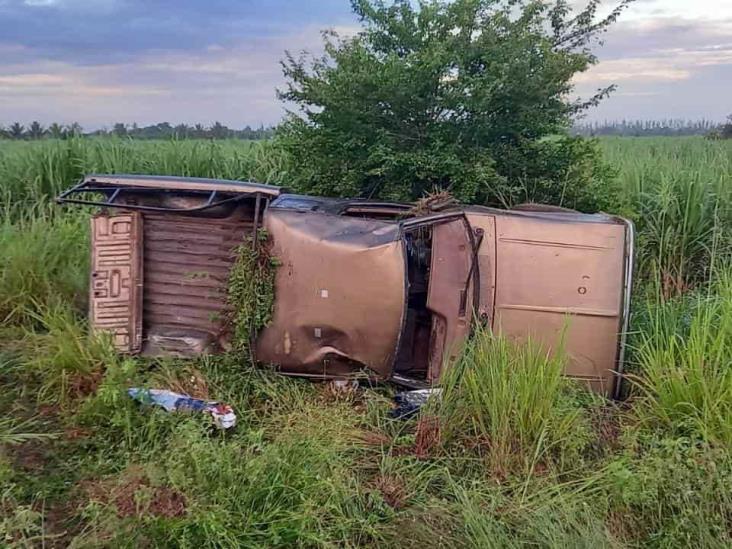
<point>408,403</point>
<point>223,415</point>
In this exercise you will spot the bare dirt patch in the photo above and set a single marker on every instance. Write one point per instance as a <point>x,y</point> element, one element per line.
<point>136,496</point>
<point>392,490</point>
<point>373,438</point>
<point>31,456</point>
<point>83,385</point>
<point>427,437</point>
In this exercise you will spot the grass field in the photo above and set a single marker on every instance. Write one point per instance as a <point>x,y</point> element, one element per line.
<point>81,465</point>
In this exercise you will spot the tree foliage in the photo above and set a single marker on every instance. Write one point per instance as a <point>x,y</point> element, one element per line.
<point>470,95</point>
<point>668,127</point>
<point>161,130</point>
<point>726,131</point>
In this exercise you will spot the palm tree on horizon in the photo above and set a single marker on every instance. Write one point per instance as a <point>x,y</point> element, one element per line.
<point>16,130</point>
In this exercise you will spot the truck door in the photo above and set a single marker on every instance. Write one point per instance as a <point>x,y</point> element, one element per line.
<point>452,283</point>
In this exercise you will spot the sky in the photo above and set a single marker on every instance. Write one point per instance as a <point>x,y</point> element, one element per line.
<point>98,62</point>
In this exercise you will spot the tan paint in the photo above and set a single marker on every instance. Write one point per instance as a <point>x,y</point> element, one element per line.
<point>562,278</point>
<point>359,265</point>
<point>451,252</point>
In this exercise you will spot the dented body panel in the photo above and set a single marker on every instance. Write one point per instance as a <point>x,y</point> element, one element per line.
<point>364,288</point>
<point>339,293</point>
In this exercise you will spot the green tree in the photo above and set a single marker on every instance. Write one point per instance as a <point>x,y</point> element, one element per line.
<point>181,131</point>
<point>16,130</point>
<point>469,95</point>
<point>35,130</point>
<point>56,130</point>
<point>74,130</point>
<point>219,131</point>
<point>726,130</point>
<point>119,129</point>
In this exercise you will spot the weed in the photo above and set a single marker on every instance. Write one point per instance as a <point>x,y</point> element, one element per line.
<point>509,399</point>
<point>685,360</point>
<point>251,291</point>
<point>672,492</point>
<point>14,432</point>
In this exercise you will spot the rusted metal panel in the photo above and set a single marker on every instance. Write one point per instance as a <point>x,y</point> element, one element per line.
<point>116,279</point>
<point>563,277</point>
<point>187,263</point>
<point>340,294</point>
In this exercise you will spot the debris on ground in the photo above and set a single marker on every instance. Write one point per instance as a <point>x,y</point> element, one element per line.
<point>408,403</point>
<point>160,500</point>
<point>223,415</point>
<point>433,203</point>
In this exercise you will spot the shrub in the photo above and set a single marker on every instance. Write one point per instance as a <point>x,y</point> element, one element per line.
<point>251,291</point>
<point>454,95</point>
<point>562,171</point>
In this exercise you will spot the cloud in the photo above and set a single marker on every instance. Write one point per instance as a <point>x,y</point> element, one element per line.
<point>97,31</point>
<point>666,66</point>
<point>233,84</point>
<point>66,83</point>
<point>637,70</point>
<point>663,65</point>
<point>185,60</point>
<point>102,61</point>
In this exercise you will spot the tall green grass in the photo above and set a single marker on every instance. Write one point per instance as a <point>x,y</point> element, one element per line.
<point>685,358</point>
<point>30,172</point>
<point>512,398</point>
<point>523,458</point>
<point>44,261</point>
<point>679,192</point>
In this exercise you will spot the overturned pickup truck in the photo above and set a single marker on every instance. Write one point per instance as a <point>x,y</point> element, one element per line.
<point>363,286</point>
